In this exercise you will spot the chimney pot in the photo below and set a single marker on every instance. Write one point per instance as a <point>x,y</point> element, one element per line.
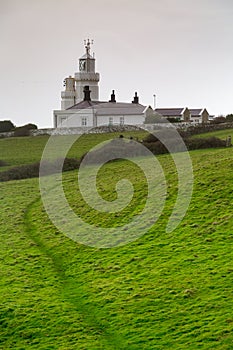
<point>136,98</point>
<point>113,97</point>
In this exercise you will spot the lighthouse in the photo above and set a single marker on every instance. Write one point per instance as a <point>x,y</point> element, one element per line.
<point>86,76</point>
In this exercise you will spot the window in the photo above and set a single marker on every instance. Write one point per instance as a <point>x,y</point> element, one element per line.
<point>122,120</point>
<point>63,121</point>
<point>82,65</point>
<point>110,121</point>
<point>84,121</point>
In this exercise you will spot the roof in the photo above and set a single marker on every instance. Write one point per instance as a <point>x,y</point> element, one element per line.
<point>195,112</point>
<point>85,104</point>
<point>170,111</point>
<point>85,56</point>
<point>111,108</point>
<point>120,108</point>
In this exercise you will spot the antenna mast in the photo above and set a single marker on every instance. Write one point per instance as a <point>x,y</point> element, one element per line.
<point>88,44</point>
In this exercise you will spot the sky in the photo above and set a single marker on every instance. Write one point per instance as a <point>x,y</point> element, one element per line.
<point>179,50</point>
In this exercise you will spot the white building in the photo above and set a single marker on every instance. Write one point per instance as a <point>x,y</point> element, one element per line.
<point>184,114</point>
<point>80,105</point>
<point>199,115</point>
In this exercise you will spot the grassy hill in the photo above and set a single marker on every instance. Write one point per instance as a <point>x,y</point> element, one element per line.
<point>162,291</point>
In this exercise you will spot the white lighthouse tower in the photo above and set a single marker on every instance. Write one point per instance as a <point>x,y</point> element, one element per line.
<point>85,77</point>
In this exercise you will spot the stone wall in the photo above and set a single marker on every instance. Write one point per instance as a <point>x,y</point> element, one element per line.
<point>203,128</point>
<point>6,134</point>
<point>192,129</point>
<point>84,130</point>
<point>59,131</point>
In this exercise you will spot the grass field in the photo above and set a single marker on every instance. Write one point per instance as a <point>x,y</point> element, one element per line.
<point>162,291</point>
<point>222,134</point>
<point>26,150</point>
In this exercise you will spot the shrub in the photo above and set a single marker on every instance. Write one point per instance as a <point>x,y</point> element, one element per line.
<point>229,118</point>
<point>2,163</point>
<point>169,136</point>
<point>150,138</point>
<point>71,164</point>
<point>115,149</point>
<point>30,126</point>
<point>6,126</point>
<point>158,147</point>
<point>219,120</point>
<point>21,131</point>
<point>200,143</point>
<point>32,170</point>
<point>173,120</point>
<point>24,130</point>
<point>118,146</point>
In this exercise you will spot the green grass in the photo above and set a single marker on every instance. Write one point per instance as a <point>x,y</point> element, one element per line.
<point>222,134</point>
<point>26,150</point>
<point>162,291</point>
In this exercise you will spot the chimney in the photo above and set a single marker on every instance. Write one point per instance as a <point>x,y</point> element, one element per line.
<point>87,93</point>
<point>113,97</point>
<point>135,99</point>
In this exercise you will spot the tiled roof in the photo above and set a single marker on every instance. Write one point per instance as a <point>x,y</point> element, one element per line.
<point>85,104</point>
<point>119,108</point>
<point>110,108</point>
<point>170,111</point>
<point>195,112</point>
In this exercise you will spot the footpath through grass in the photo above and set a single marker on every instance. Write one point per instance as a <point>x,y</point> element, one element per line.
<point>163,291</point>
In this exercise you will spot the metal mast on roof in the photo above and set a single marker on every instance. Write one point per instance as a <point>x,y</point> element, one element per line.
<point>88,44</point>
<point>154,101</point>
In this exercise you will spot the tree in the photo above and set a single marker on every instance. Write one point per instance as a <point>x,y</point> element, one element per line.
<point>30,126</point>
<point>24,130</point>
<point>6,126</point>
<point>218,120</point>
<point>229,118</point>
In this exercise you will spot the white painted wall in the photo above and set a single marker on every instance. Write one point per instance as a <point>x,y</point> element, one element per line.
<point>68,99</point>
<point>128,119</point>
<point>93,87</point>
<point>90,79</point>
<point>196,120</point>
<point>70,118</point>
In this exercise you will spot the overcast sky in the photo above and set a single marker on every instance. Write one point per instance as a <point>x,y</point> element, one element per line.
<point>180,50</point>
